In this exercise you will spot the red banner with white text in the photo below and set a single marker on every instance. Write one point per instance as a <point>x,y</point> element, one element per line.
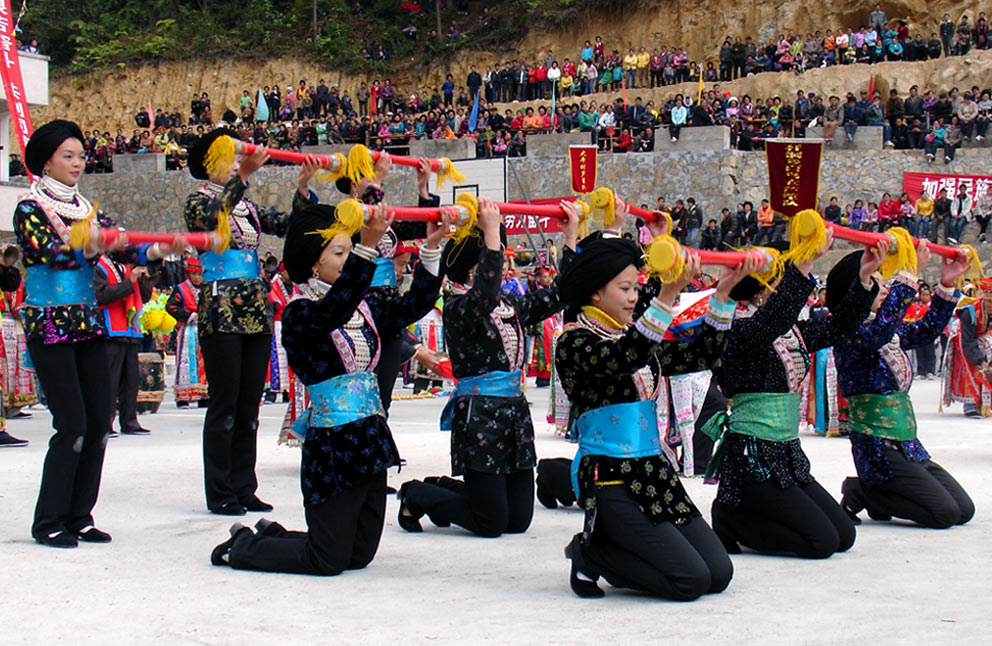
<point>518,225</point>
<point>13,84</point>
<point>916,183</point>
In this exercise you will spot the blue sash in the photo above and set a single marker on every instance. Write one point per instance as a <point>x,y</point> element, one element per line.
<point>617,431</point>
<point>233,263</point>
<point>340,400</point>
<point>385,273</point>
<point>47,287</point>
<point>497,383</point>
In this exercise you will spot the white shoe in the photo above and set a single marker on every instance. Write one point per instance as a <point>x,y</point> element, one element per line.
<point>674,140</point>
<point>979,138</point>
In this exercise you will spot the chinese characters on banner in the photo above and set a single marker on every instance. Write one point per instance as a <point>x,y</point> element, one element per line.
<point>793,175</point>
<point>582,168</point>
<point>517,225</point>
<point>13,84</point>
<point>916,183</point>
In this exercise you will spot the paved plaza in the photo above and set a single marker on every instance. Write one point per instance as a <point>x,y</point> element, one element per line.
<point>154,584</point>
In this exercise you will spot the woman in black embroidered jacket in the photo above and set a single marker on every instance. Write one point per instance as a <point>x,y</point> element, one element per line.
<point>333,338</point>
<point>767,499</point>
<point>492,438</point>
<point>234,323</point>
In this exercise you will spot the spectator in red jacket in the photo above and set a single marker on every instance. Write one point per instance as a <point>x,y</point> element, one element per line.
<point>888,213</point>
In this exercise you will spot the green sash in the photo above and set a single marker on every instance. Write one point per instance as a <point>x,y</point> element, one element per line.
<point>767,416</point>
<point>889,417</point>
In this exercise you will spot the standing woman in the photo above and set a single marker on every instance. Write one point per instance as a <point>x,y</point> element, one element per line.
<point>332,334</point>
<point>66,333</point>
<point>896,476</point>
<point>641,529</point>
<point>768,500</point>
<point>492,437</point>
<point>234,324</point>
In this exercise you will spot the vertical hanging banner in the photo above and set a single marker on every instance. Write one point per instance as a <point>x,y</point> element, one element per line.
<point>13,84</point>
<point>582,168</point>
<point>793,174</point>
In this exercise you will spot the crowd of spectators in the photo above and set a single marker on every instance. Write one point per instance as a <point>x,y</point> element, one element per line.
<point>383,117</point>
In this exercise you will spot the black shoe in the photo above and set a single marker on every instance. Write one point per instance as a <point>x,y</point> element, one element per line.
<point>222,550</point>
<point>19,415</point>
<point>874,515</point>
<point>60,539</point>
<point>266,527</point>
<point>845,504</point>
<point>410,520</point>
<point>136,431</point>
<point>581,587</point>
<point>92,535</point>
<point>254,504</point>
<point>113,433</point>
<point>729,544</point>
<point>8,440</point>
<point>545,497</point>
<point>230,509</point>
<point>182,404</point>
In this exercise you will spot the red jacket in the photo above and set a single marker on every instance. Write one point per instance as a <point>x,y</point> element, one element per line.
<point>121,314</point>
<point>888,210</point>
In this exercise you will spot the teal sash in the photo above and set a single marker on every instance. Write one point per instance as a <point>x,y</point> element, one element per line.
<point>497,383</point>
<point>48,287</point>
<point>233,263</point>
<point>385,273</point>
<point>617,431</point>
<point>340,400</point>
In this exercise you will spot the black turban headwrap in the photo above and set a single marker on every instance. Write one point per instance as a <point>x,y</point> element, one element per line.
<point>198,151</point>
<point>303,245</point>
<point>749,285</point>
<point>597,262</point>
<point>458,258</point>
<point>841,277</point>
<point>46,140</point>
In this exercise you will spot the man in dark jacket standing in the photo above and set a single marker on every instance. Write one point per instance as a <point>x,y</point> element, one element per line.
<point>474,82</point>
<point>120,292</point>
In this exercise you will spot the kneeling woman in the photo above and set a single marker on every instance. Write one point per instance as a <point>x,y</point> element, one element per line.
<point>896,476</point>
<point>492,438</point>
<point>332,339</point>
<point>641,529</point>
<point>768,500</point>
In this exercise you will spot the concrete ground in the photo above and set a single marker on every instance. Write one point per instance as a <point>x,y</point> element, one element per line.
<point>154,584</point>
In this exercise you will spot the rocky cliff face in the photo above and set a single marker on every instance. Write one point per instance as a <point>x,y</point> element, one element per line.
<point>109,99</point>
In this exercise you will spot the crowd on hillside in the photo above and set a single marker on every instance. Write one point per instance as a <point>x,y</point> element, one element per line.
<point>382,116</point>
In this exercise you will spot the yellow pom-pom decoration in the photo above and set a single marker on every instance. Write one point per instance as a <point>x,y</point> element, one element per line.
<point>807,235</point>
<point>902,254</point>
<point>168,323</point>
<point>775,269</point>
<point>603,204</point>
<point>468,202</point>
<point>448,172</point>
<point>151,318</point>
<point>975,271</point>
<point>584,210</point>
<point>81,233</point>
<point>666,260</point>
<point>359,164</point>
<point>219,156</point>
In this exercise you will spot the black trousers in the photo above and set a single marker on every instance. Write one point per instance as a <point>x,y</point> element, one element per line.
<point>122,358</point>
<point>388,369</point>
<point>802,520</point>
<point>922,492</point>
<point>926,360</point>
<point>235,366</point>
<point>74,377</point>
<point>343,534</point>
<point>487,505</point>
<point>675,562</point>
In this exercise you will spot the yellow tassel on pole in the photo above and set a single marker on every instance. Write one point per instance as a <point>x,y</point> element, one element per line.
<point>603,204</point>
<point>901,256</point>
<point>807,235</point>
<point>448,172</point>
<point>219,156</point>
<point>339,167</point>
<point>468,202</point>
<point>666,261</point>
<point>359,164</point>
